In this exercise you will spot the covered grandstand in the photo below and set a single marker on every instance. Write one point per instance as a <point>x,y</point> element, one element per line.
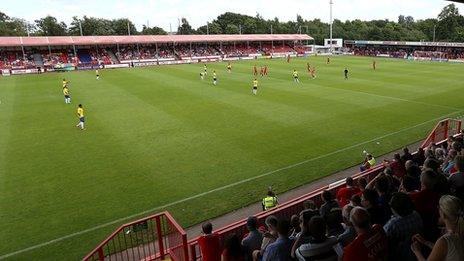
<point>436,51</point>
<point>37,54</point>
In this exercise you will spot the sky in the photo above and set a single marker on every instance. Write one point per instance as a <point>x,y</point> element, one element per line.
<point>162,13</point>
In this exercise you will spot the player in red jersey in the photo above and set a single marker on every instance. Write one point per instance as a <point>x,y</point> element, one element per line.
<point>255,71</point>
<point>265,70</point>
<point>308,66</point>
<point>288,58</point>
<point>313,72</point>
<point>374,65</point>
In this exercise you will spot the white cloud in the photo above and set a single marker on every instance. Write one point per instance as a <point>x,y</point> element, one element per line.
<point>163,12</point>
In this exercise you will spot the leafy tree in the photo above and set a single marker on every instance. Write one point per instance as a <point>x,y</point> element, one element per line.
<point>231,29</point>
<point>153,31</point>
<point>120,27</point>
<point>185,27</point>
<point>49,26</point>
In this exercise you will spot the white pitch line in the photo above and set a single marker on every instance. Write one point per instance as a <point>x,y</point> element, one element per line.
<point>214,190</point>
<point>389,97</point>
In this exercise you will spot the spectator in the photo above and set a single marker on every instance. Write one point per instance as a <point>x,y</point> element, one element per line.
<point>355,201</point>
<point>280,250</point>
<point>419,157</point>
<point>450,246</point>
<point>371,242</point>
<point>334,220</point>
<point>254,238</point>
<point>309,206</point>
<point>344,194</point>
<point>209,243</point>
<point>382,186</point>
<point>456,181</point>
<point>303,237</point>
<point>368,163</point>
<point>431,163</point>
<point>295,226</point>
<point>370,200</point>
<point>350,233</point>
<point>329,203</point>
<point>426,204</point>
<point>233,250</point>
<point>397,166</point>
<point>362,184</point>
<point>448,167</point>
<point>268,237</point>
<point>408,185</point>
<point>406,155</point>
<point>404,223</point>
<point>320,246</point>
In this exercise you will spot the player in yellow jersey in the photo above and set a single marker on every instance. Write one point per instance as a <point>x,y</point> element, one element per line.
<point>97,74</point>
<point>67,97</point>
<point>65,82</point>
<point>295,76</point>
<point>254,90</point>
<point>214,78</point>
<point>80,115</point>
<point>229,67</point>
<point>205,68</point>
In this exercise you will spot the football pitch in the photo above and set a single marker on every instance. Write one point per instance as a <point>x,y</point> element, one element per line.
<point>160,138</point>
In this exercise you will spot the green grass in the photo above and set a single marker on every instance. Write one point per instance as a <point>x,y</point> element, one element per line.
<point>157,135</point>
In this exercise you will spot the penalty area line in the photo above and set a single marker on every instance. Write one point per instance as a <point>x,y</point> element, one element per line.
<point>53,241</point>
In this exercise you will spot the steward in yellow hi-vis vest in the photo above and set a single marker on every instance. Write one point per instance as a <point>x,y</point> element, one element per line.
<point>270,201</point>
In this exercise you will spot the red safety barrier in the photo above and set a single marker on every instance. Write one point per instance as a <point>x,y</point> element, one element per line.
<point>442,131</point>
<point>151,238</point>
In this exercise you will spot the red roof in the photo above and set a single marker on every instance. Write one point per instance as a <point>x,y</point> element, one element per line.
<point>145,39</point>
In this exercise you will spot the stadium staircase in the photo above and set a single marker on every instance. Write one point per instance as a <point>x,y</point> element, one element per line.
<point>84,56</point>
<point>38,59</point>
<point>113,57</point>
<point>159,237</point>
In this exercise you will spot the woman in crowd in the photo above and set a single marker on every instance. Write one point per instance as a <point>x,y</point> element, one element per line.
<point>450,246</point>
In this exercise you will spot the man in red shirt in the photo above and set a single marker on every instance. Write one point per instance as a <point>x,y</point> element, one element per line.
<point>210,246</point>
<point>426,204</point>
<point>371,242</point>
<point>344,194</point>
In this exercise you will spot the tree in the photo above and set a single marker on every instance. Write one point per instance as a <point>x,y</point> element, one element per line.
<point>153,31</point>
<point>49,26</point>
<point>122,27</point>
<point>185,27</point>
<point>231,29</point>
<point>92,26</point>
<point>212,28</point>
<point>448,23</point>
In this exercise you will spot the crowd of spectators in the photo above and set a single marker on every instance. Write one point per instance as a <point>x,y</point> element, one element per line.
<point>381,51</point>
<point>52,58</point>
<point>412,210</point>
<point>16,59</point>
<point>433,53</point>
<point>9,59</point>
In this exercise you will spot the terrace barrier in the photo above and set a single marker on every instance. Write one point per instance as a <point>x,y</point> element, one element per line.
<point>152,238</point>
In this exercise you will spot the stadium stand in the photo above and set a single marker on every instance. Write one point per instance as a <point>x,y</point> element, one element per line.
<point>86,52</point>
<point>392,214</point>
<point>408,50</point>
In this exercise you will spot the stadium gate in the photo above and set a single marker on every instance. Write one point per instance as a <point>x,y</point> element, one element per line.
<point>146,239</point>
